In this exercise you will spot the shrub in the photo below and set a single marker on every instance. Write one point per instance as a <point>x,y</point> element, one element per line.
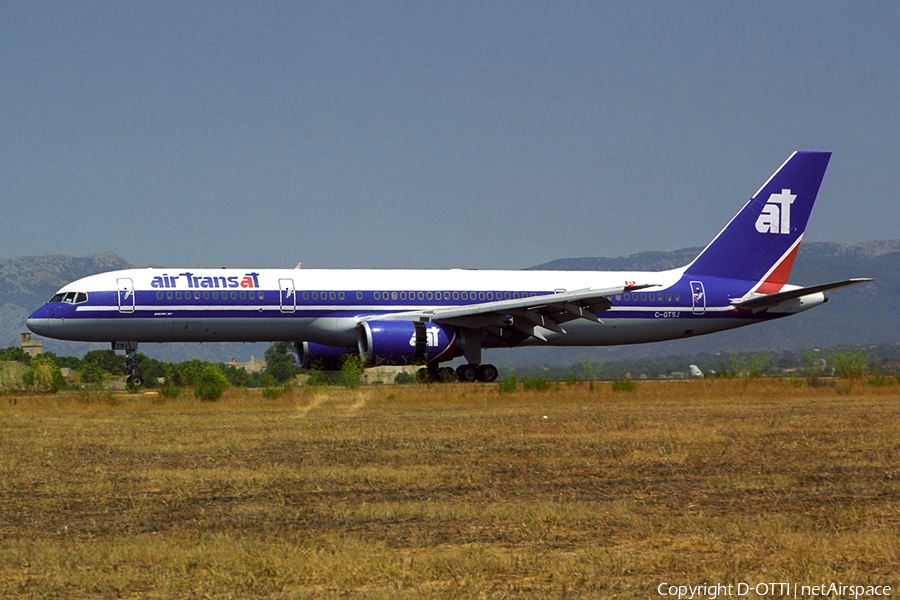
<point>169,390</point>
<point>273,393</point>
<point>508,384</point>
<point>538,384</point>
<point>352,370</point>
<point>210,383</point>
<point>624,385</point>
<point>877,381</point>
<point>404,377</point>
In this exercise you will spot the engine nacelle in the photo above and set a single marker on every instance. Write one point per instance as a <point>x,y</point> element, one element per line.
<point>407,343</point>
<point>318,356</point>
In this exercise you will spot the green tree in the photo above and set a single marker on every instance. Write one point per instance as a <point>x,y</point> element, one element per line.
<point>188,372</point>
<point>848,362</point>
<point>91,374</point>
<point>750,364</point>
<point>14,354</point>
<point>281,363</point>
<point>107,360</point>
<point>43,376</point>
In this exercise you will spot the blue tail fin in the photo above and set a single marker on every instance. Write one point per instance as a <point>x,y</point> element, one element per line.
<point>760,242</point>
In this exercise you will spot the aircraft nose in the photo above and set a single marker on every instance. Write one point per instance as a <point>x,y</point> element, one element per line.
<point>39,321</point>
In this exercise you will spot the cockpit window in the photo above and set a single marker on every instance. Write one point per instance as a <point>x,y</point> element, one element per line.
<point>69,298</point>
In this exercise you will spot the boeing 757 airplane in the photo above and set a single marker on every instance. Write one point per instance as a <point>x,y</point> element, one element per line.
<point>427,317</point>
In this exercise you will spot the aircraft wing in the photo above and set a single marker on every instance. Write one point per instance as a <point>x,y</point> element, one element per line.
<point>549,311</point>
<point>758,303</point>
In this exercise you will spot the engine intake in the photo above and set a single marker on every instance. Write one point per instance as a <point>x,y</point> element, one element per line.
<point>319,356</point>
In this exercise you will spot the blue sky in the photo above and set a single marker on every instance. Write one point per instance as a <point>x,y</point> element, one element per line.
<point>482,135</point>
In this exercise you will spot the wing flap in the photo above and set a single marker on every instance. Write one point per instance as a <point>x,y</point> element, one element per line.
<point>548,311</point>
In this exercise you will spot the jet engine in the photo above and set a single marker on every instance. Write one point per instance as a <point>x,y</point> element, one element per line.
<point>407,343</point>
<point>319,356</point>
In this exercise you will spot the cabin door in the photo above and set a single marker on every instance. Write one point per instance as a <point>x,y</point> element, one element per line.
<point>698,298</point>
<point>126,294</point>
<point>288,295</point>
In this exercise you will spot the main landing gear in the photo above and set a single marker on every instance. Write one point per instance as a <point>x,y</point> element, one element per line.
<point>464,373</point>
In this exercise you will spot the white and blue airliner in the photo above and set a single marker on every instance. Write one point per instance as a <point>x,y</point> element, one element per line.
<point>427,317</point>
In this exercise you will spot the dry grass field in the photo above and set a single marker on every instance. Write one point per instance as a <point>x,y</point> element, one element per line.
<point>450,491</point>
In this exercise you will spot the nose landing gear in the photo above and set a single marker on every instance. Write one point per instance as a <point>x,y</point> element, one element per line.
<point>135,379</point>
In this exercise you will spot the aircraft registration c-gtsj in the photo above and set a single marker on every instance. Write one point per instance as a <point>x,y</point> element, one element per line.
<point>427,317</point>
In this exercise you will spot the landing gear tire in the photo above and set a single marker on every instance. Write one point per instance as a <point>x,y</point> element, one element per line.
<point>135,381</point>
<point>425,375</point>
<point>486,373</point>
<point>467,373</point>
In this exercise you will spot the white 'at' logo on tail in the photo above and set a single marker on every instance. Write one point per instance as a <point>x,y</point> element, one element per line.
<point>776,214</point>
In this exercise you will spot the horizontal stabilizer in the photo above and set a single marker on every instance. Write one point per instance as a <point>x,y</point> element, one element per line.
<point>761,302</point>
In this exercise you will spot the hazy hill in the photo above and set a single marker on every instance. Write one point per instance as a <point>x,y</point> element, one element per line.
<point>860,315</point>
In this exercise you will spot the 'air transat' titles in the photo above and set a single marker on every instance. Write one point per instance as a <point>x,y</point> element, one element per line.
<point>249,280</point>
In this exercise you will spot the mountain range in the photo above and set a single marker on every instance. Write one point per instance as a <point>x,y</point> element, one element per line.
<point>864,314</point>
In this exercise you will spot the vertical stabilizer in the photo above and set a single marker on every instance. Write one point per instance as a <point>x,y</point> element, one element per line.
<point>760,242</point>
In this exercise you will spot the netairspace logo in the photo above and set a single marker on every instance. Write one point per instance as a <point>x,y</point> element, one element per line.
<point>773,590</point>
<point>776,214</point>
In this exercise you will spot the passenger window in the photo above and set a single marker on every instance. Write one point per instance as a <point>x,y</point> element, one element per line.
<point>196,295</point>
<point>652,297</point>
<point>243,295</point>
<point>481,295</point>
<point>215,295</point>
<point>465,295</point>
<point>403,295</point>
<point>668,297</point>
<point>677,297</point>
<point>430,296</point>
<point>168,295</point>
<point>234,295</point>
<point>332,296</point>
<point>178,295</point>
<point>206,295</point>
<point>377,295</point>
<point>393,295</point>
<point>340,295</point>
<point>643,297</point>
<point>306,295</point>
<point>315,295</point>
<point>490,295</point>
<point>456,295</point>
<point>159,295</point>
<point>421,295</point>
<point>359,295</point>
<point>508,295</point>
